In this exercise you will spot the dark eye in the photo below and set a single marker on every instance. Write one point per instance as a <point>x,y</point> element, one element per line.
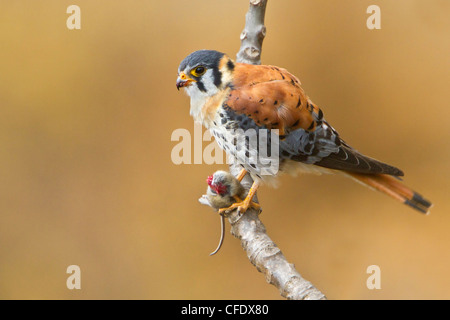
<point>198,71</point>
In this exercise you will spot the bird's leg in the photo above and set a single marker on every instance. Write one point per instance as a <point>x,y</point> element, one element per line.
<point>241,175</point>
<point>248,199</point>
<point>243,205</point>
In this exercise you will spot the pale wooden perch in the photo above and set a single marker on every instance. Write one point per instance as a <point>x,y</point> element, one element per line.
<point>262,252</point>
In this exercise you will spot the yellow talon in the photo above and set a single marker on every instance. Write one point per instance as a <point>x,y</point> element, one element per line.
<point>243,206</point>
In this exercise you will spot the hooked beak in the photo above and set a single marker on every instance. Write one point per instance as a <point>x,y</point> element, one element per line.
<point>183,80</point>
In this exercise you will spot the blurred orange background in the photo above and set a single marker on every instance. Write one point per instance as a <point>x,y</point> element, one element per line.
<point>86,118</point>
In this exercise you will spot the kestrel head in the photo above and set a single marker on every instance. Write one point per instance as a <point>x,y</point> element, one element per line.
<point>204,72</point>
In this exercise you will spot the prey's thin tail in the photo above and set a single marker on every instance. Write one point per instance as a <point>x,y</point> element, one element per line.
<point>394,188</point>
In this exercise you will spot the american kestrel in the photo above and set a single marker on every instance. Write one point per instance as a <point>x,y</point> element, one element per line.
<point>231,98</point>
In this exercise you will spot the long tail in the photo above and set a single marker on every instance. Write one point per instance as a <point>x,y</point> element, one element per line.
<point>395,188</point>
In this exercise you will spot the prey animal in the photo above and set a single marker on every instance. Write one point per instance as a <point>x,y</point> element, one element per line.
<point>223,190</point>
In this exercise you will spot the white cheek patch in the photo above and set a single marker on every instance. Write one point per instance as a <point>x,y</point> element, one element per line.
<point>227,75</point>
<point>208,82</point>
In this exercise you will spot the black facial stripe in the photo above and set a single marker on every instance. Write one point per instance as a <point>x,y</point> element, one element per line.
<point>217,77</point>
<point>201,86</point>
<point>230,65</point>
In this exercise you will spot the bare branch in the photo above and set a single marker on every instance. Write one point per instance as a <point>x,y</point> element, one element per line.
<point>253,34</point>
<point>265,255</point>
<point>262,252</point>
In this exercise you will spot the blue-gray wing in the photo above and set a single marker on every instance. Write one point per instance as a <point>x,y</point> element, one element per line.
<point>323,147</point>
